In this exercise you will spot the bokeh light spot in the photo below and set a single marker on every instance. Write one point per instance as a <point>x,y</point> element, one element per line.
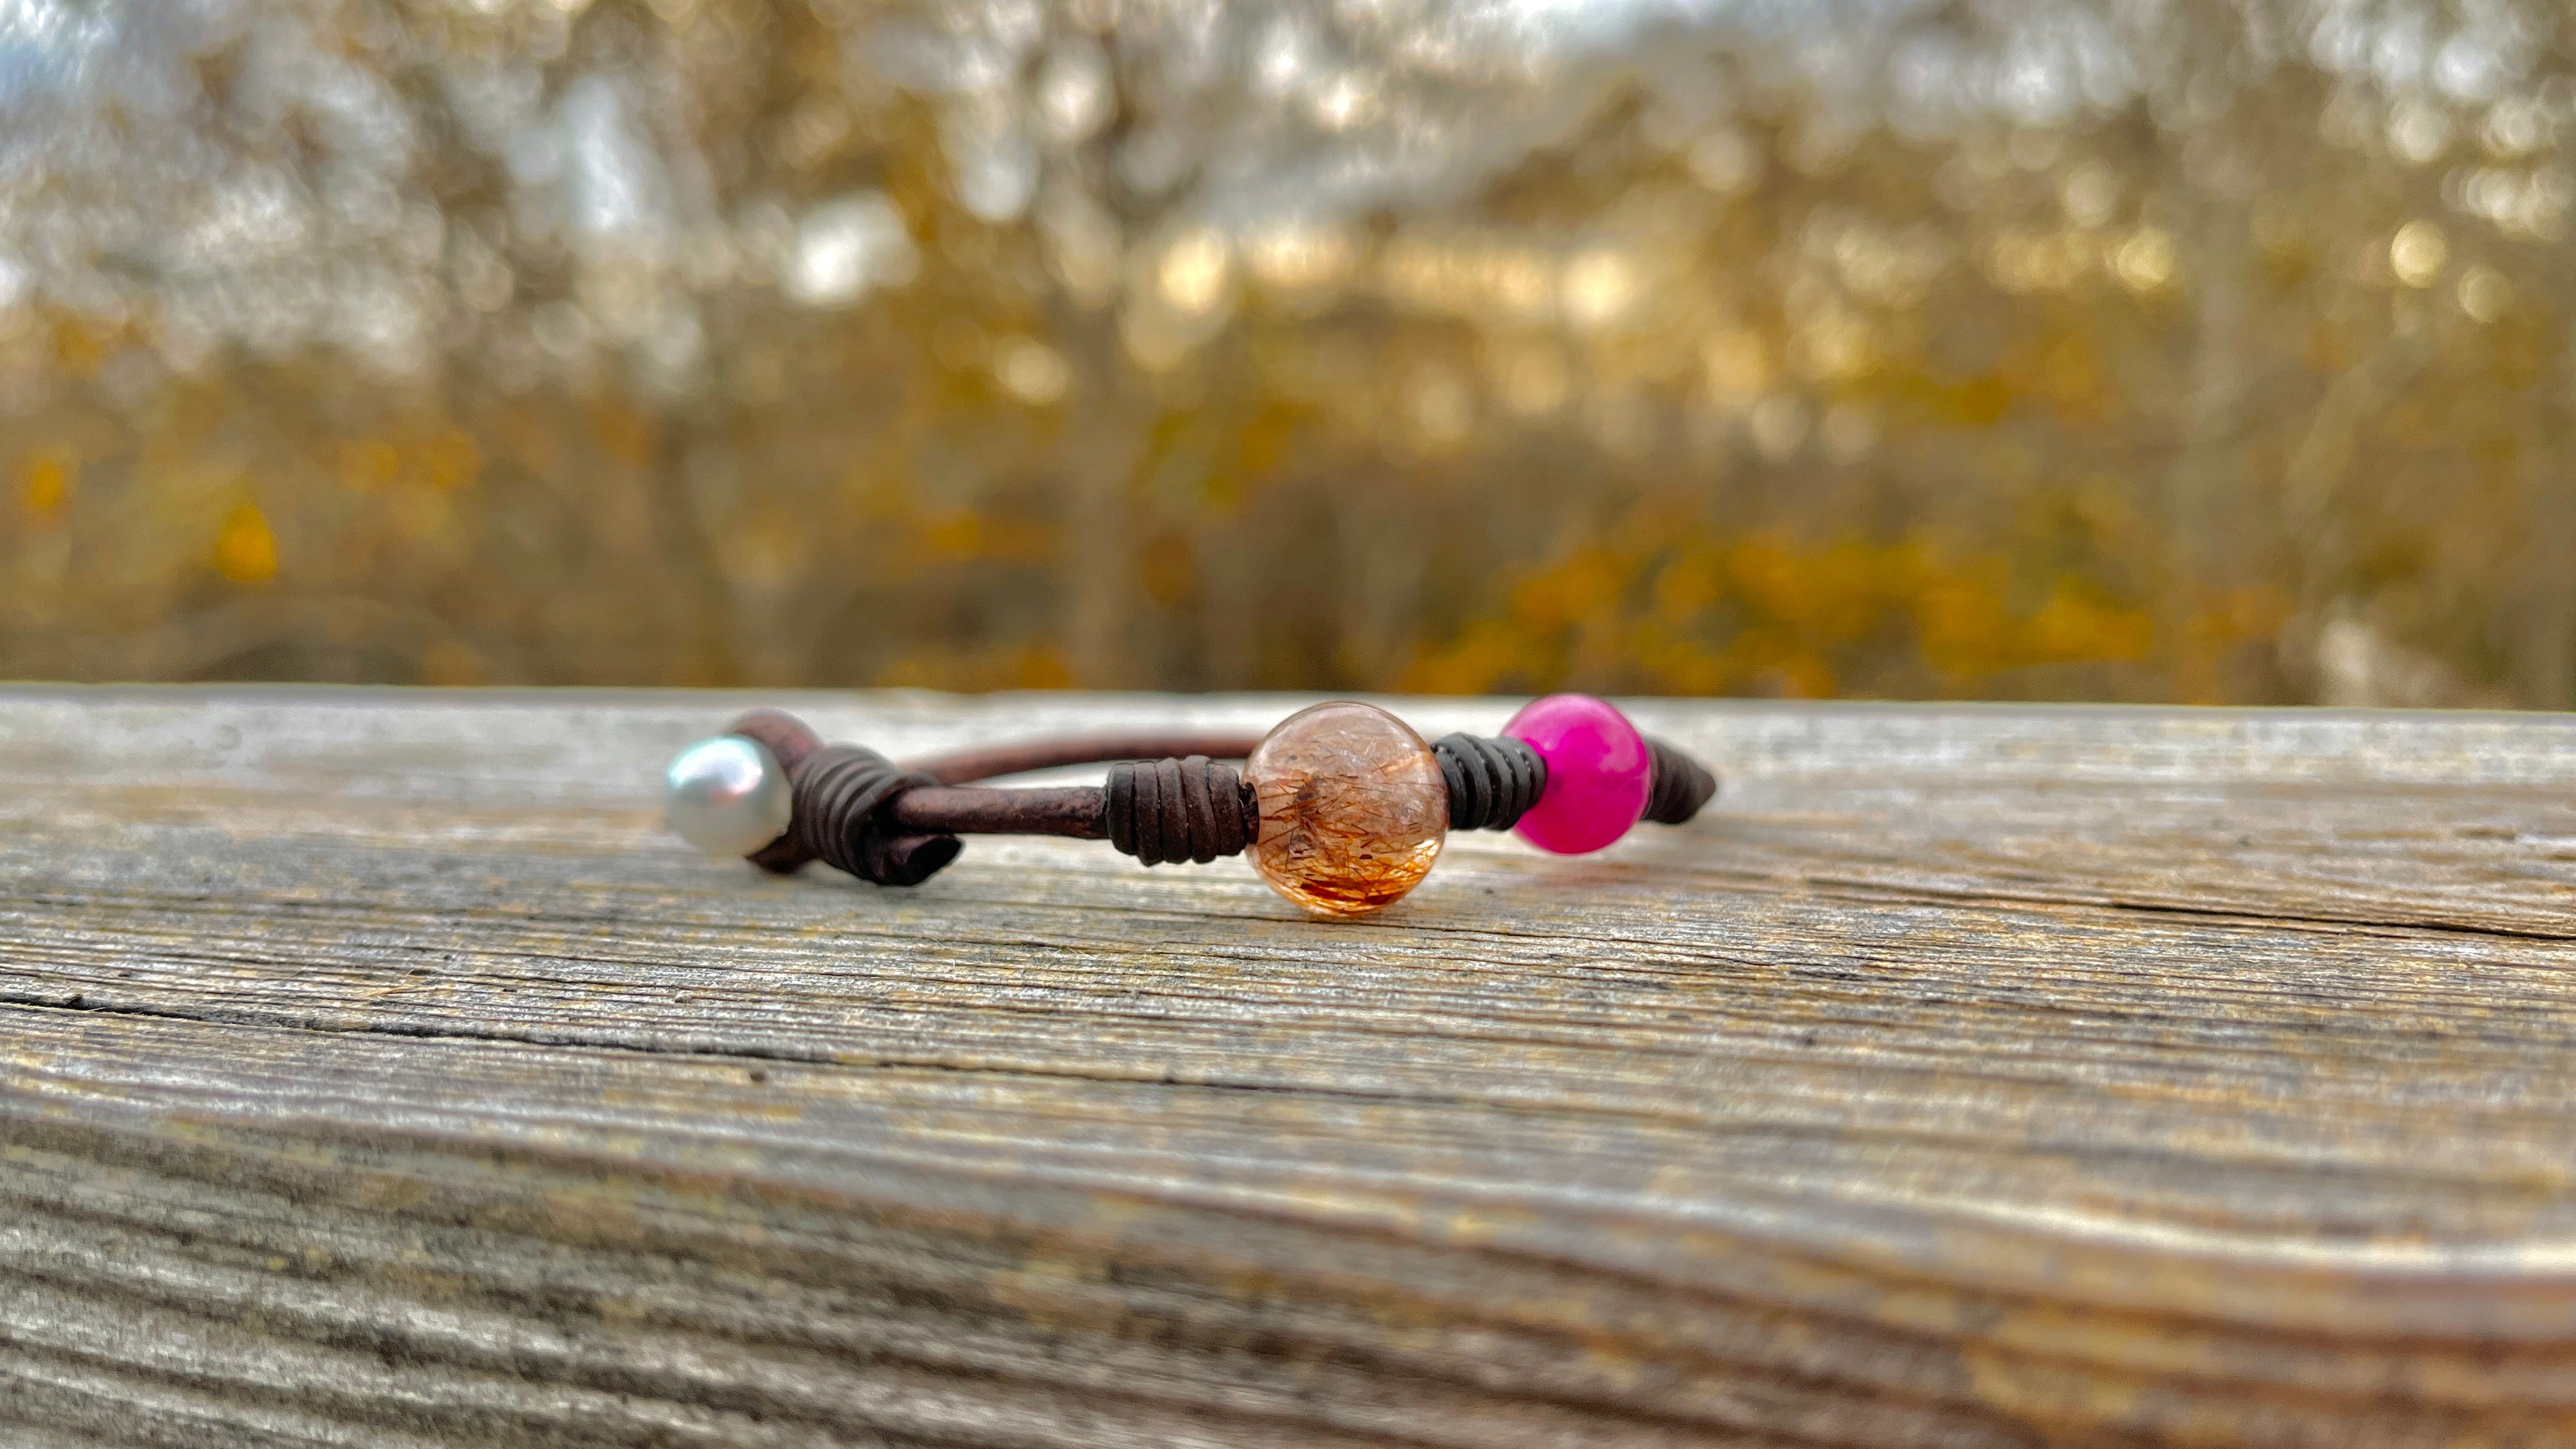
<point>245,547</point>
<point>46,483</point>
<point>2418,253</point>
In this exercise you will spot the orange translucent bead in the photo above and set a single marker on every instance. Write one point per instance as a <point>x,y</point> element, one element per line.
<point>1353,808</point>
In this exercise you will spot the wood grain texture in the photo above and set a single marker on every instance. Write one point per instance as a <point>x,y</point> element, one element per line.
<point>377,1073</point>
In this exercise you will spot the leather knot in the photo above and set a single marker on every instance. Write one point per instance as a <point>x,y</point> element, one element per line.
<point>1174,810</point>
<point>839,790</point>
<point>1493,782</point>
<point>1681,785</point>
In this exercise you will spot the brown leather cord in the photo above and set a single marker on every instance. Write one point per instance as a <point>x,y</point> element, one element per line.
<point>898,824</point>
<point>1020,757</point>
<point>1070,810</point>
<point>791,743</point>
<point>840,792</point>
<point>1169,797</point>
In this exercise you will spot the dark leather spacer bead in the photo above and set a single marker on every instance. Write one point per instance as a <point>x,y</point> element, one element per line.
<point>1493,782</point>
<point>1193,809</point>
<point>838,790</point>
<point>1680,785</point>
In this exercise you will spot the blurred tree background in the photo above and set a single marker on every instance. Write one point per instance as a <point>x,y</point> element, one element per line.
<point>2207,350</point>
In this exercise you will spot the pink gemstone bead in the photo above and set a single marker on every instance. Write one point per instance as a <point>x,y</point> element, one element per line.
<point>1598,772</point>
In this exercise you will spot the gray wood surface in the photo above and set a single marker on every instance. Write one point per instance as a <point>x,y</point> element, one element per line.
<point>374,1071</point>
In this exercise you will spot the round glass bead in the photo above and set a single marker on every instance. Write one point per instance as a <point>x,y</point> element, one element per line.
<point>1598,772</point>
<point>727,796</point>
<point>1353,808</point>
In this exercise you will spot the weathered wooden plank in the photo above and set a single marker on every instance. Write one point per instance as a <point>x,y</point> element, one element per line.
<point>1966,1076</point>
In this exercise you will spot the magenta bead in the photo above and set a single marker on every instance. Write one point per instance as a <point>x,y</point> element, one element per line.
<point>1598,772</point>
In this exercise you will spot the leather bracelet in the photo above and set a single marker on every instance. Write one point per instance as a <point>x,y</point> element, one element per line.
<point>1342,807</point>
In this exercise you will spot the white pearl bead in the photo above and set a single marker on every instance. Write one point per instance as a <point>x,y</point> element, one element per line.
<point>727,796</point>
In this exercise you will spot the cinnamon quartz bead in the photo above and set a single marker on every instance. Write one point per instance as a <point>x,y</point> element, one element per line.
<point>1353,808</point>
